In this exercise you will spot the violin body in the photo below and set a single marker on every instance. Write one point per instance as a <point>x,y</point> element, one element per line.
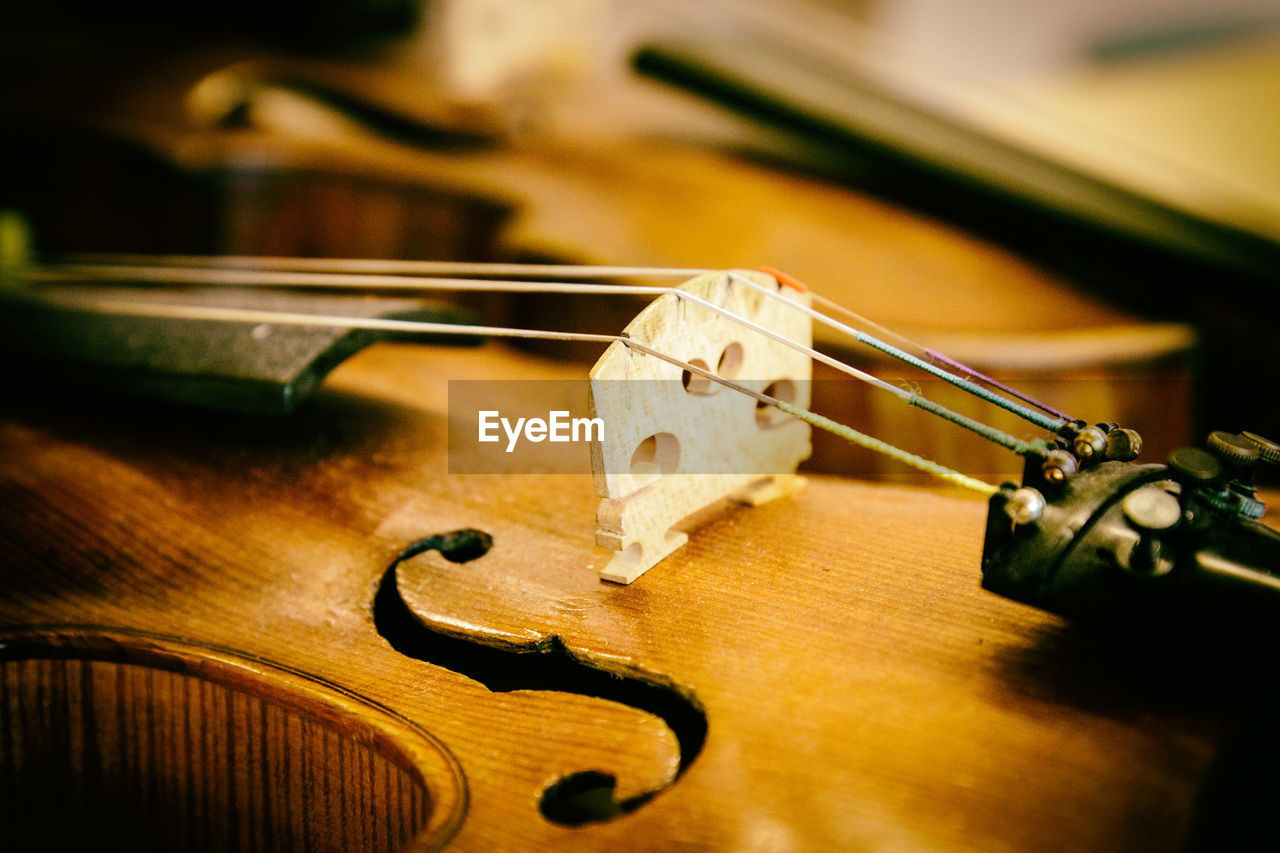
<point>437,651</point>
<point>228,632</point>
<point>253,193</point>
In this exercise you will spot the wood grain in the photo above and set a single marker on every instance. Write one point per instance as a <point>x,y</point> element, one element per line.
<point>117,740</point>
<point>292,189</point>
<point>859,689</point>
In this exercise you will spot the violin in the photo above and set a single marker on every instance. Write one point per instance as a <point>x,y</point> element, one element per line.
<point>228,632</point>
<point>311,633</point>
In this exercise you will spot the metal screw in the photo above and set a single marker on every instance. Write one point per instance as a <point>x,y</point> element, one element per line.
<point>1025,505</point>
<point>1123,445</point>
<point>1058,466</point>
<point>1089,443</point>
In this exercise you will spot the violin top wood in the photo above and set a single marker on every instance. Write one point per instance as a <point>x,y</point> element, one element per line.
<point>858,690</point>
<point>822,672</point>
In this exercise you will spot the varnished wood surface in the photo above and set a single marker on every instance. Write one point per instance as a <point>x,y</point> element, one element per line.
<point>121,740</point>
<point>648,202</point>
<point>287,174</point>
<point>859,690</point>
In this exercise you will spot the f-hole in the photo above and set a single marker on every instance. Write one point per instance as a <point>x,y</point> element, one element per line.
<point>577,798</point>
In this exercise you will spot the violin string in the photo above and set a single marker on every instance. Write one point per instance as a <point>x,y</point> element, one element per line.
<point>370,273</point>
<point>385,267</point>
<point>240,278</point>
<point>936,356</point>
<point>244,315</point>
<point>322,280</point>
<point>1053,425</point>
<point>369,266</point>
<point>246,278</point>
<point>450,268</point>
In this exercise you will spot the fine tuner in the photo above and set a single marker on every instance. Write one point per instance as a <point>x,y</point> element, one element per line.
<point>1087,533</point>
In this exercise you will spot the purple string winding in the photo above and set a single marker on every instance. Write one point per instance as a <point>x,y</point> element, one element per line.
<point>934,355</point>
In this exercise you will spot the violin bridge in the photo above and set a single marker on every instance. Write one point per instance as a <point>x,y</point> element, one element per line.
<point>675,442</point>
